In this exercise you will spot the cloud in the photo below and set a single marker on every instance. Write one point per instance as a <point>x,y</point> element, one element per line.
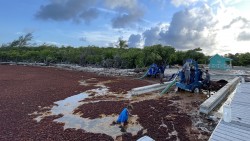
<point>231,2</point>
<point>129,4</point>
<point>99,38</point>
<point>151,36</point>
<point>64,10</point>
<point>190,28</point>
<point>123,13</point>
<point>129,12</point>
<point>244,21</point>
<point>215,29</point>
<point>244,36</point>
<point>134,40</point>
<point>39,42</point>
<point>178,3</point>
<point>213,26</point>
<point>89,15</point>
<point>123,20</point>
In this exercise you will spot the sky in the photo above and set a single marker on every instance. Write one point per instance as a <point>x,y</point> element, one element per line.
<point>215,26</point>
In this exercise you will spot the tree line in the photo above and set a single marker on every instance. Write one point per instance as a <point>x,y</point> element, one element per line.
<point>120,57</point>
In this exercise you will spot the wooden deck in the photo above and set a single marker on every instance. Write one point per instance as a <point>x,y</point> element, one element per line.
<point>239,127</point>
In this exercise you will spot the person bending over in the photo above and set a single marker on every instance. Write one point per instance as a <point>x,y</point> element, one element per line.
<point>123,117</point>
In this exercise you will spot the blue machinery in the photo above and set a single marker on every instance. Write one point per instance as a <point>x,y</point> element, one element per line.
<point>195,78</point>
<point>153,70</point>
<point>194,85</point>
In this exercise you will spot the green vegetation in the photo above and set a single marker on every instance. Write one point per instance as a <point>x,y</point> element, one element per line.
<point>242,59</point>
<point>121,57</point>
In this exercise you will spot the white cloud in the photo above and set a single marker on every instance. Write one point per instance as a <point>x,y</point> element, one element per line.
<point>102,38</point>
<point>231,2</point>
<point>215,29</point>
<point>188,29</point>
<point>39,42</point>
<point>98,36</point>
<point>192,28</point>
<point>130,4</point>
<point>178,3</point>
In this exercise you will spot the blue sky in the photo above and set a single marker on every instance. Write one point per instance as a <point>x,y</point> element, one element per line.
<point>216,26</point>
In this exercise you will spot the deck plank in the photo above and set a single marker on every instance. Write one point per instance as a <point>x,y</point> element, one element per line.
<point>239,128</point>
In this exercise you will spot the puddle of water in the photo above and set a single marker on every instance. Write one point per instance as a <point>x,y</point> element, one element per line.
<point>67,106</point>
<point>103,90</point>
<point>98,125</point>
<point>64,107</point>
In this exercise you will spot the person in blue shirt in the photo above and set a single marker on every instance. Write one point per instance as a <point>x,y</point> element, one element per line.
<point>124,115</point>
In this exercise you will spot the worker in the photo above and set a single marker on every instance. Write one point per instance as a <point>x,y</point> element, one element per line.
<point>186,70</point>
<point>123,117</point>
<point>192,74</point>
<point>161,73</point>
<point>206,81</point>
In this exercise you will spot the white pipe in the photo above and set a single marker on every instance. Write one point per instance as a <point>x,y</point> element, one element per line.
<point>149,88</point>
<point>242,79</point>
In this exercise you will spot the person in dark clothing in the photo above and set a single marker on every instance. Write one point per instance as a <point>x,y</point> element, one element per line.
<point>206,81</point>
<point>161,73</point>
<point>192,74</point>
<point>186,70</point>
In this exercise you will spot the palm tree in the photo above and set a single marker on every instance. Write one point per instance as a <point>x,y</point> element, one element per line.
<point>122,44</point>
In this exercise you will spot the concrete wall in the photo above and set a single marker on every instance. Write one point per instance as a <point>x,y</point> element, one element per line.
<point>207,106</point>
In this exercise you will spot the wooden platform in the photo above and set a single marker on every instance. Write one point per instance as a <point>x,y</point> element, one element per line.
<point>239,127</point>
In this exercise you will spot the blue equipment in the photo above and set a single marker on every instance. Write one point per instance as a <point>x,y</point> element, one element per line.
<point>154,70</point>
<point>195,78</point>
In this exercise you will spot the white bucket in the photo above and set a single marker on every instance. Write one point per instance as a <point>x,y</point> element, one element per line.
<point>227,113</point>
<point>145,138</point>
<point>242,79</point>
